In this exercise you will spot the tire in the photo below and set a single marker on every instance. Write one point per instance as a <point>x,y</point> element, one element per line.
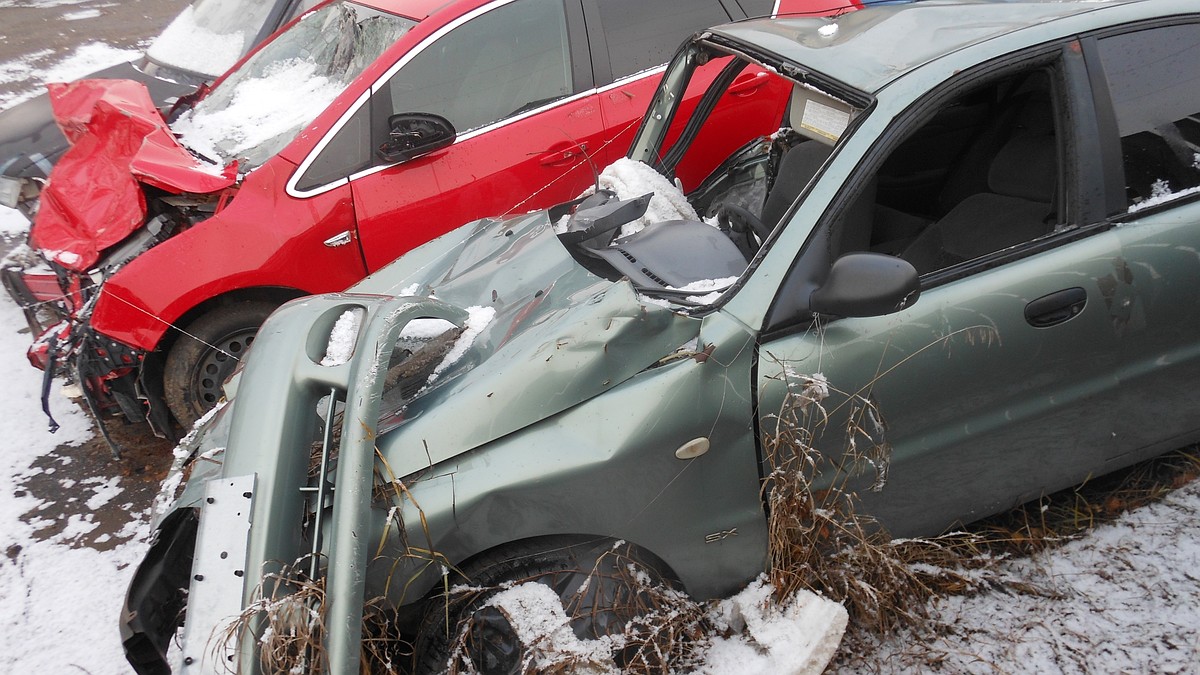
<point>461,624</point>
<point>200,360</point>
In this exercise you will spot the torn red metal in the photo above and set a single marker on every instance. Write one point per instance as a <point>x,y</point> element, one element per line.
<point>118,140</point>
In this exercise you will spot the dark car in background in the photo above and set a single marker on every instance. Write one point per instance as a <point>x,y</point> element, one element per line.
<point>205,40</point>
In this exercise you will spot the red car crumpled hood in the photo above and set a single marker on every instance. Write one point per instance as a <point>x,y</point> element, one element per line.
<point>118,139</point>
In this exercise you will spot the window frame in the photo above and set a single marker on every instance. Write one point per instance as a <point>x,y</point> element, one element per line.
<point>582,83</point>
<point>788,311</point>
<point>1116,205</point>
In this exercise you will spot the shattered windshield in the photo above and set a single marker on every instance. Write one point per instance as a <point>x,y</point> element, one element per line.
<point>257,110</point>
<point>209,36</point>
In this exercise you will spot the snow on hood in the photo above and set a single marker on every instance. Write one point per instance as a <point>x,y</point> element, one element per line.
<point>118,139</point>
<point>629,179</point>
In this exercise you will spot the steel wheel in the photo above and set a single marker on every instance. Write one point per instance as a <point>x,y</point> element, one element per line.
<point>201,360</point>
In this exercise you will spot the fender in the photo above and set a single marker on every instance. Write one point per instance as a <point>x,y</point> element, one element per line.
<point>262,238</point>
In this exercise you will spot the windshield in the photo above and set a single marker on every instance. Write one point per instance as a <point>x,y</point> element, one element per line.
<point>257,109</point>
<point>210,36</point>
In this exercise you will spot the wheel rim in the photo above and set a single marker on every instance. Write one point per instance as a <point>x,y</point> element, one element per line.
<point>216,365</point>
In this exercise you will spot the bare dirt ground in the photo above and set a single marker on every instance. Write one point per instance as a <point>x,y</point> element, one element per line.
<point>30,27</point>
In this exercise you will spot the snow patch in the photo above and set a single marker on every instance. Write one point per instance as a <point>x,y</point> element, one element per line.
<point>263,109</point>
<point>1160,193</point>
<point>86,60</point>
<point>709,290</point>
<point>798,638</point>
<point>478,318</point>
<point>82,14</point>
<point>342,338</point>
<point>536,614</point>
<point>12,222</point>
<point>425,329</point>
<point>629,179</point>
<point>190,45</point>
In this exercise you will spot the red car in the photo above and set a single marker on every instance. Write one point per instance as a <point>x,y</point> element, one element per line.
<point>358,132</point>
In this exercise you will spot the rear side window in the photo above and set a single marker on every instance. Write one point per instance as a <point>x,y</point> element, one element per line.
<point>1154,81</point>
<point>642,35</point>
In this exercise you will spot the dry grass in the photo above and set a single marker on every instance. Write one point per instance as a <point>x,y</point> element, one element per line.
<point>286,620</point>
<point>1065,515</point>
<point>820,542</point>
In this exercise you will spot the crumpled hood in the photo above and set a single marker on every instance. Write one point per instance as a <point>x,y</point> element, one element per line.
<point>118,140</point>
<point>559,336</point>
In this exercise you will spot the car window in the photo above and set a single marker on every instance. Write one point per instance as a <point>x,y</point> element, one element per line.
<point>259,108</point>
<point>642,35</point>
<point>981,175</point>
<point>973,178</point>
<point>509,60</point>
<point>1154,81</point>
<point>347,152</point>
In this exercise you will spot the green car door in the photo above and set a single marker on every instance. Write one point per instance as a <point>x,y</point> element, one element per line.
<point>998,383</point>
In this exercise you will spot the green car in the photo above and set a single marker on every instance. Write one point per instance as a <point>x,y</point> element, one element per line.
<point>975,223</point>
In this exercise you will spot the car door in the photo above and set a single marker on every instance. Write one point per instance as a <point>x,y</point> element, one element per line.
<point>1150,76</point>
<point>513,78</point>
<point>630,39</point>
<point>997,384</point>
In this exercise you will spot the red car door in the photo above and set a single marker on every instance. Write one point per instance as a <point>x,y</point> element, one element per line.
<point>638,36</point>
<point>510,83</point>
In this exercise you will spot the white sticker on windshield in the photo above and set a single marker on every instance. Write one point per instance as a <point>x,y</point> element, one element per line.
<point>824,120</point>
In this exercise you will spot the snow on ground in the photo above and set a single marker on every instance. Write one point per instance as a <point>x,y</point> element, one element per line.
<point>58,601</point>
<point>29,75</point>
<point>1123,599</point>
<point>12,223</point>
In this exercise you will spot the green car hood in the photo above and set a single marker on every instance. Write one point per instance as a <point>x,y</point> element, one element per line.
<point>559,336</point>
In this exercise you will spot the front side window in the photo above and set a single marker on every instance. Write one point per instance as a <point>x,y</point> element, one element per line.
<point>509,60</point>
<point>983,175</point>
<point>1154,81</point>
<point>257,110</point>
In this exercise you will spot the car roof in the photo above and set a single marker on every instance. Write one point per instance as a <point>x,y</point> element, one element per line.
<point>871,47</point>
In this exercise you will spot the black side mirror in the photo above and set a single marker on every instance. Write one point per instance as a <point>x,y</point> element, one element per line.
<point>866,284</point>
<point>411,135</point>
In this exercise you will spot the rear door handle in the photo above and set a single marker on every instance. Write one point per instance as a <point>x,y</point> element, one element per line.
<point>747,85</point>
<point>1053,309</point>
<point>564,156</point>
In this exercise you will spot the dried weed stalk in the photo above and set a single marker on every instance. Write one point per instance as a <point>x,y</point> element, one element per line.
<point>286,620</point>
<point>819,541</point>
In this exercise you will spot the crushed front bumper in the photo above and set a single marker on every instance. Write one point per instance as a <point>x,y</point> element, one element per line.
<point>154,604</point>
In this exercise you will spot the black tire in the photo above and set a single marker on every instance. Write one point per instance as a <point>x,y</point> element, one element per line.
<point>608,602</point>
<point>203,357</point>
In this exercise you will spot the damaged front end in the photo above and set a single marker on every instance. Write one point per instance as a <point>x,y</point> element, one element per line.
<point>317,433</point>
<point>125,186</point>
